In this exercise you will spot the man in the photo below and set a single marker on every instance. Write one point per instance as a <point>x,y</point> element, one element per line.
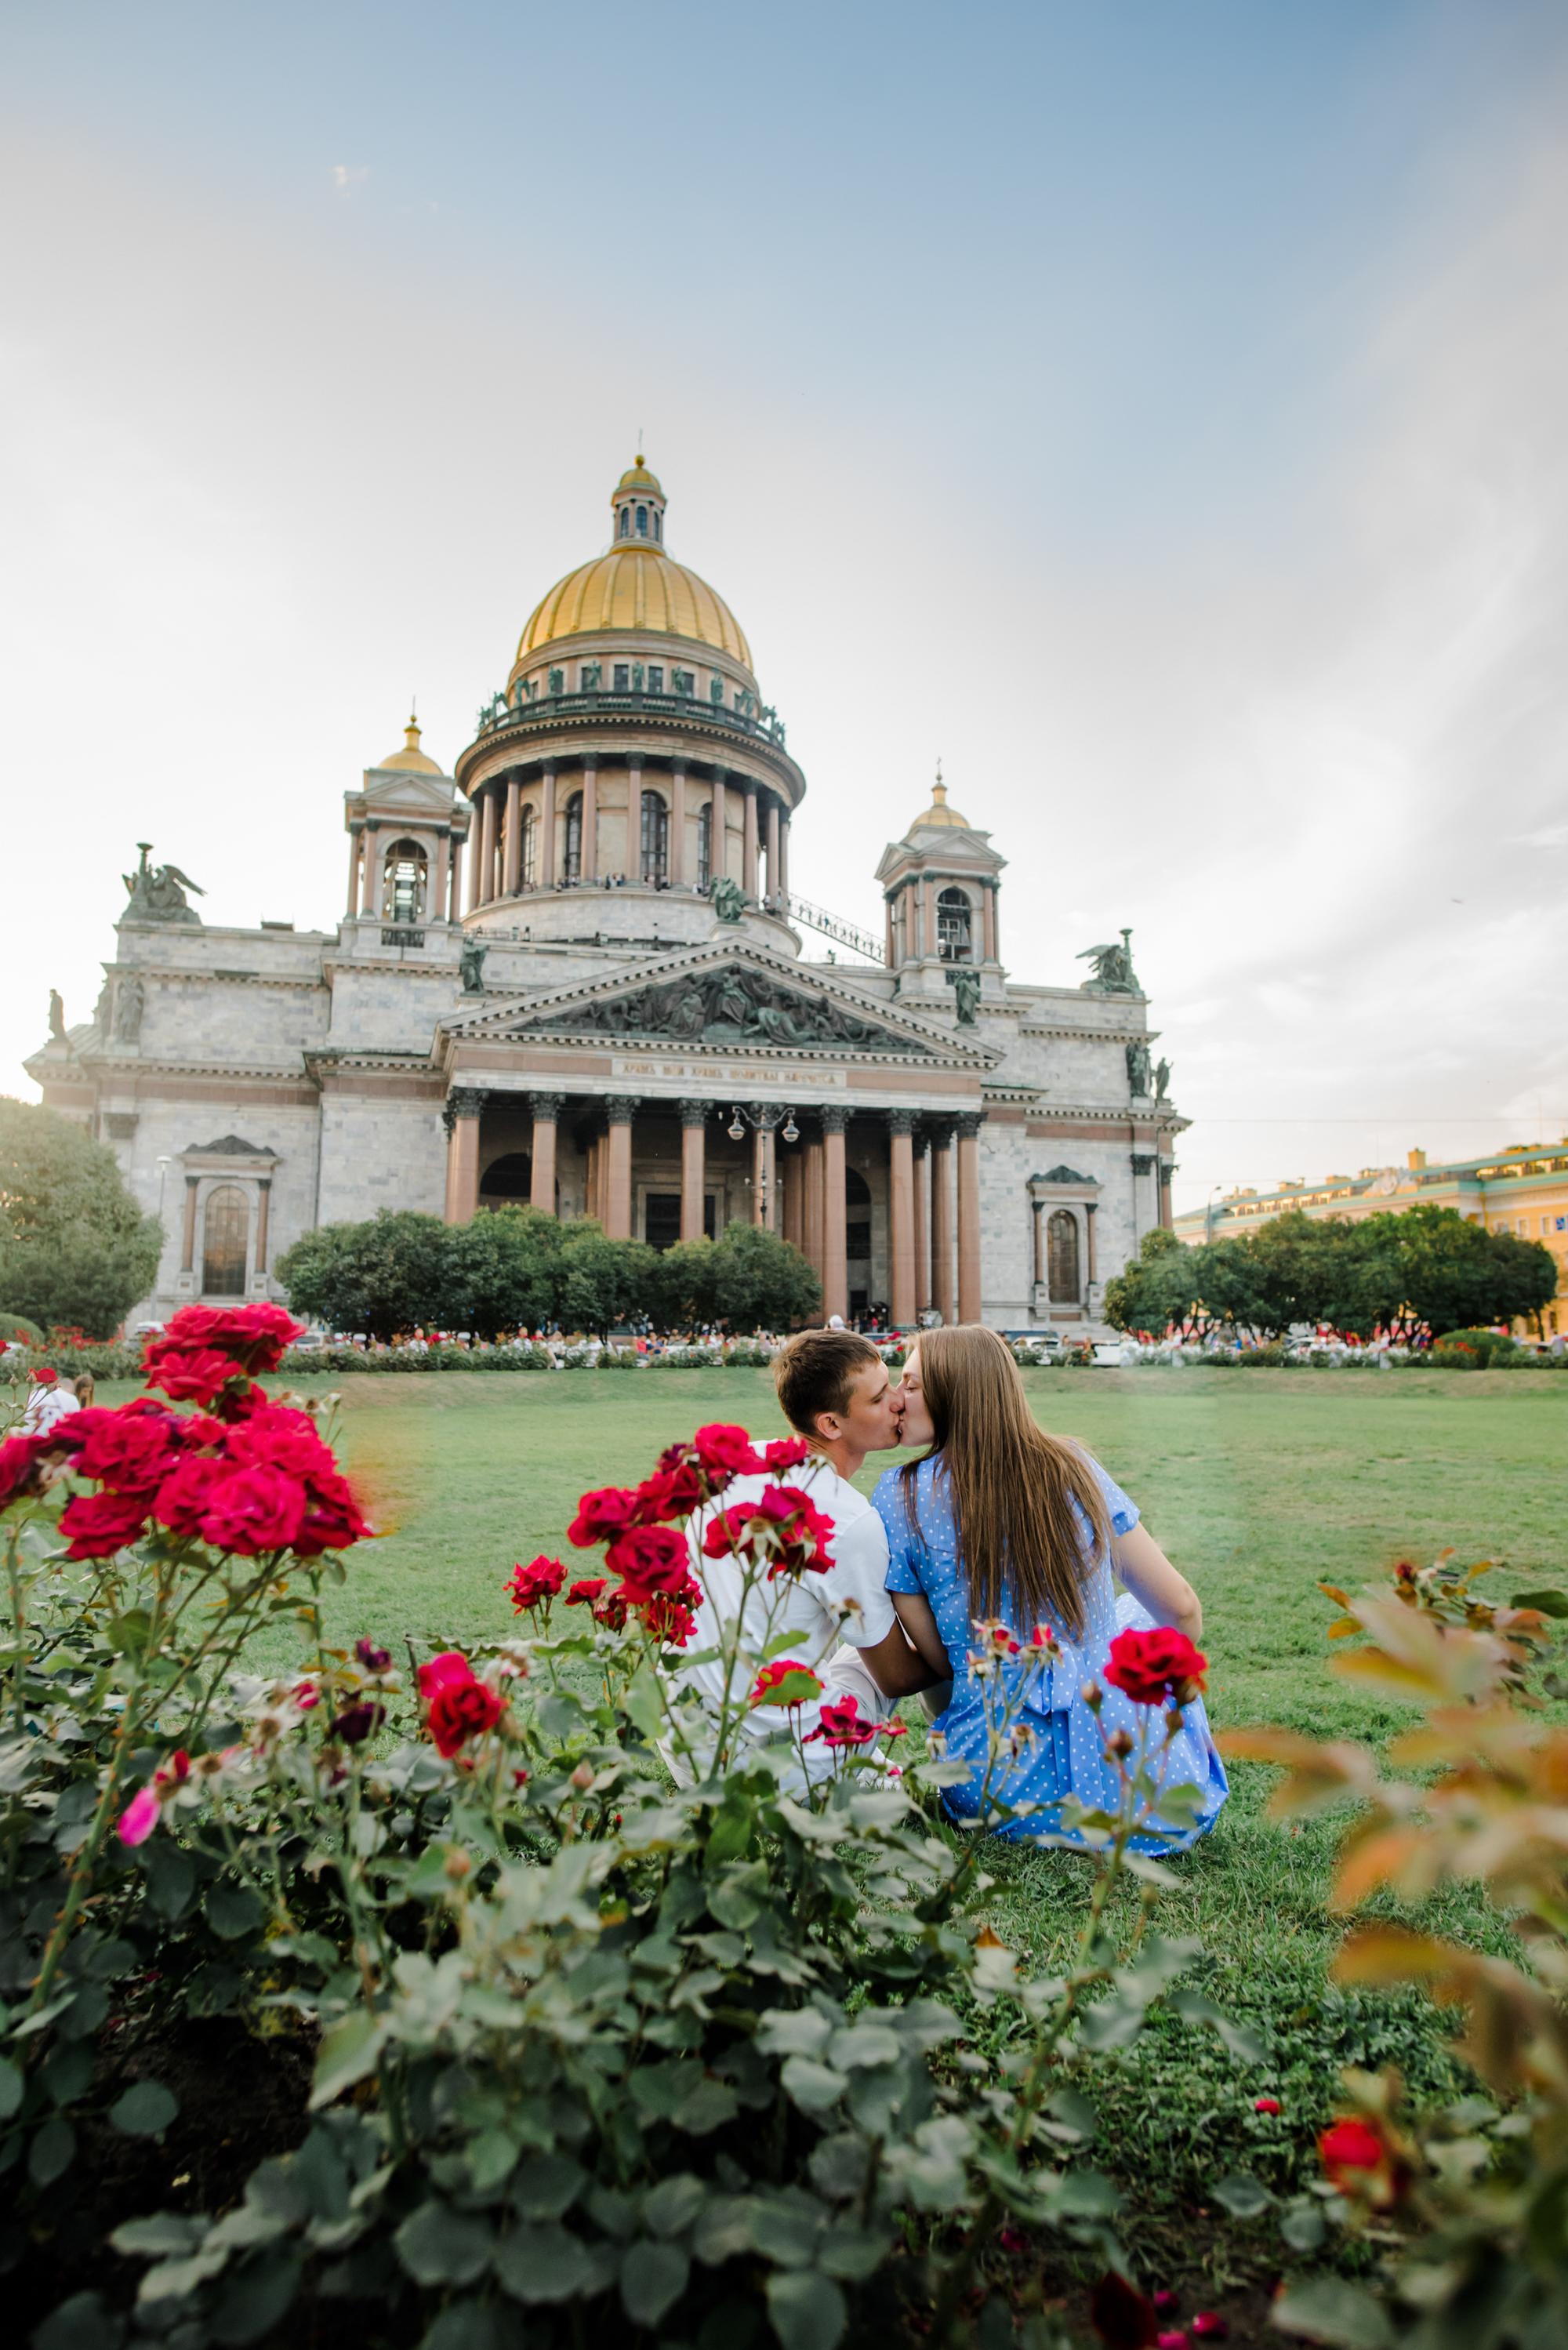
<point>834,1390</point>
<point>48,1403</point>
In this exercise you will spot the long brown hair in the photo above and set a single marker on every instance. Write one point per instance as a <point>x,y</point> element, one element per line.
<point>1012,1486</point>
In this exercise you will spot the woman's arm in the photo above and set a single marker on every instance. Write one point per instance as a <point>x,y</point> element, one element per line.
<point>1149,1576</point>
<point>913,1610</point>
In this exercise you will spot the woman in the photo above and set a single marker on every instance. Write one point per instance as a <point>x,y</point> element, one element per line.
<point>999,1521</point>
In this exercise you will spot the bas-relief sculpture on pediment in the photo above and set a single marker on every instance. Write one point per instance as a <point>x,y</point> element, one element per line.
<point>732,1006</point>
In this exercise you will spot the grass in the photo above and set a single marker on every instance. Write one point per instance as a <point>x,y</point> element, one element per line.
<point>1259,1485</point>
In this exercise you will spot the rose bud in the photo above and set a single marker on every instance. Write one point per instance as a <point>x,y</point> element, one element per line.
<point>583,1776</point>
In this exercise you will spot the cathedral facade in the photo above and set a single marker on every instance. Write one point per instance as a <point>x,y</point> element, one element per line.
<point>571,971</point>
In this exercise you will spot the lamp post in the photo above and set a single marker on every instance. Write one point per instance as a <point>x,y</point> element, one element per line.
<point>764,1118</point>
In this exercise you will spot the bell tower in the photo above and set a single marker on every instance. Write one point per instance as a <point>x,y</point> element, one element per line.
<point>939,886</point>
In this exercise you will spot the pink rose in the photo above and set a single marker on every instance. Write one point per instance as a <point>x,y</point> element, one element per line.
<point>448,1671</point>
<point>140,1817</point>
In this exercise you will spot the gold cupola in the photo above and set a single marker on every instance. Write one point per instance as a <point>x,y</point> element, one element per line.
<point>938,814</point>
<point>634,585</point>
<point>411,758</point>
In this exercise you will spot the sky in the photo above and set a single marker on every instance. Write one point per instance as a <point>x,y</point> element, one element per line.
<point>1156,410</point>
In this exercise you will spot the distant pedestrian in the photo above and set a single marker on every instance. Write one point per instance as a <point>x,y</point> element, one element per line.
<point>48,1403</point>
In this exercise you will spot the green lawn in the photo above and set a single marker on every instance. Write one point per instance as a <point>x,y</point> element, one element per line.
<point>1258,1484</point>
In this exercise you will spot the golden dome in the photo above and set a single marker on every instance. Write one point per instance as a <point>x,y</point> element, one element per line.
<point>939,813</point>
<point>637,585</point>
<point>411,756</point>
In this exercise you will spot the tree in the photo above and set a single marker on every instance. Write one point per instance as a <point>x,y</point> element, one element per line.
<point>683,1286</point>
<point>383,1276</point>
<point>503,1271</point>
<point>1433,1266</point>
<point>602,1281</point>
<point>761,1282</point>
<point>75,1248</point>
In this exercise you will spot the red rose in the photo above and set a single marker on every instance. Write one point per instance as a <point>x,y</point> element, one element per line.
<point>275,1436</point>
<point>19,1467</point>
<point>601,1516</point>
<point>461,1710</point>
<point>649,1559</point>
<point>1155,1666</point>
<point>356,1722</point>
<point>252,1338</point>
<point>129,1451</point>
<point>669,1620</point>
<point>184,1496</point>
<point>448,1671</point>
<point>785,1452</point>
<point>838,1723</point>
<point>100,1523</point>
<point>1358,2159</point>
<point>583,1594</point>
<point>670,1494</point>
<point>254,1510</point>
<point>725,1452</point>
<point>332,1517</point>
<point>781,1526</point>
<point>188,1374</point>
<point>785,1681</point>
<point>1265,2105</point>
<point>535,1585</point>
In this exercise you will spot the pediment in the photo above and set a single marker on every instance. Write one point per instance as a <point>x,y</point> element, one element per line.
<point>389,793</point>
<point>725,998</point>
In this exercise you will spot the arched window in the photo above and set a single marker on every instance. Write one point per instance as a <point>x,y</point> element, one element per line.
<point>704,844</point>
<point>1061,1257</point>
<point>642,522</point>
<point>572,862</point>
<point>403,894</point>
<point>530,868</point>
<point>658,524</point>
<point>626,522</point>
<point>225,1242</point>
<point>955,942</point>
<point>655,838</point>
<point>510,1177</point>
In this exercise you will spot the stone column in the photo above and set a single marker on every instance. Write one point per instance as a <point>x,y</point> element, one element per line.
<point>634,815</point>
<point>790,1194</point>
<point>718,828</point>
<point>772,837</point>
<point>1167,1169</point>
<point>440,880</point>
<point>263,1214</point>
<point>811,1202</point>
<point>355,844</point>
<point>834,1239</point>
<point>677,825</point>
<point>512,869</point>
<point>783,859</point>
<point>888,949</point>
<point>922,1220</point>
<point>590,820</point>
<point>694,1169</point>
<point>1142,1165</point>
<point>620,1109</point>
<point>477,855</point>
<point>187,1237</point>
<point>749,841</point>
<point>547,832</point>
<point>1094,1271</point>
<point>943,1294</point>
<point>592,1204</point>
<point>901,1216</point>
<point>969,1289</point>
<point>371,897</point>
<point>1038,1253</point>
<point>465,1103</point>
<point>454,907</point>
<point>991,954</point>
<point>547,1108</point>
<point>929,889</point>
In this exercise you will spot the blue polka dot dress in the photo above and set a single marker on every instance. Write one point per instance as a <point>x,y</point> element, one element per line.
<point>1064,1753</point>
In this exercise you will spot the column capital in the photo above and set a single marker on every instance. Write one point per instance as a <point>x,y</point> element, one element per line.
<point>901,1121</point>
<point>621,1108</point>
<point>923,1138</point>
<point>695,1113</point>
<point>1141,1162</point>
<point>466,1101</point>
<point>834,1117</point>
<point>941,1131</point>
<point>969,1123</point>
<point>264,1182</point>
<point>1167,1169</point>
<point>547,1107</point>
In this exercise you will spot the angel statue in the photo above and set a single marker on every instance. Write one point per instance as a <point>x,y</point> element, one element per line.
<point>1114,973</point>
<point>159,895</point>
<point>729,900</point>
<point>1162,1080</point>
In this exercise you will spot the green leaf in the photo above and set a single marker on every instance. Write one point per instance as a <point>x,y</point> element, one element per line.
<point>548,2185</point>
<point>1331,2310</point>
<point>708,2107</point>
<point>1243,2195</point>
<point>158,2236</point>
<point>812,2086</point>
<point>145,2110</point>
<point>49,2156</point>
<point>792,2032</point>
<point>786,2229</point>
<point>672,2205</point>
<point>171,1876</point>
<point>472,2326</point>
<point>348,2051</point>
<point>232,1911</point>
<point>128,1633</point>
<point>255,2298</point>
<point>544,2263</point>
<point>10,2088</point>
<point>83,2323</point>
<point>1546,1603</point>
<point>652,2279</point>
<point>1302,2224</point>
<point>807,2310</point>
<point>440,2246</point>
<point>738,1896</point>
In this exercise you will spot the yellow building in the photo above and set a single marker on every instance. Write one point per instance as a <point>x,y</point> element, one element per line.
<point>1523,1190</point>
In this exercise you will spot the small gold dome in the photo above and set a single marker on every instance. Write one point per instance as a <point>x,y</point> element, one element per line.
<point>939,813</point>
<point>637,477</point>
<point>411,756</point>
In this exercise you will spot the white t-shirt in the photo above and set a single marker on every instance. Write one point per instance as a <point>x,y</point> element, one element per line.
<point>850,1602</point>
<point>47,1406</point>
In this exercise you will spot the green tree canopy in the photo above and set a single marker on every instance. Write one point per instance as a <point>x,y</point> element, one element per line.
<point>503,1272</point>
<point>389,1274</point>
<point>75,1249</point>
<point>761,1282</point>
<point>602,1281</point>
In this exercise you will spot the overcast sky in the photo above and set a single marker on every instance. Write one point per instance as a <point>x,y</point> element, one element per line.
<point>1157,411</point>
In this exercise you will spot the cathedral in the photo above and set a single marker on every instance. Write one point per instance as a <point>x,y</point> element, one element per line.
<point>573,972</point>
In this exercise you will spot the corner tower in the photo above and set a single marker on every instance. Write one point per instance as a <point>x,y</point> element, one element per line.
<point>630,754</point>
<point>939,886</point>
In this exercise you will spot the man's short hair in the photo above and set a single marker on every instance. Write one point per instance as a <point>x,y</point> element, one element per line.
<point>816,1371</point>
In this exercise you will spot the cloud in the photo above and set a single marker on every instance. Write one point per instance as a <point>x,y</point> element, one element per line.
<point>1551,836</point>
<point>347,177</point>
